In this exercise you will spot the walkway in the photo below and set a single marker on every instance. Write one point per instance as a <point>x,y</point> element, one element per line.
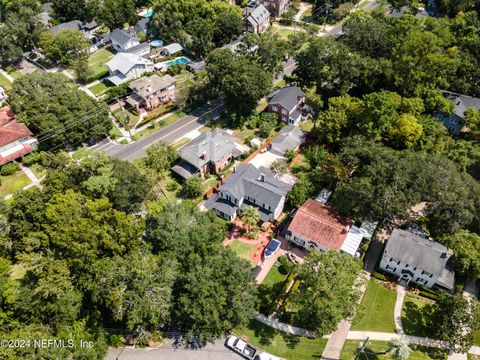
<point>397,312</point>
<point>289,329</point>
<point>7,75</point>
<point>302,8</point>
<point>32,177</point>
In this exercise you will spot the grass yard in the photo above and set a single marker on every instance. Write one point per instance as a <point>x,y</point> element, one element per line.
<point>15,73</point>
<point>5,83</point>
<point>307,125</point>
<point>242,250</point>
<point>284,33</point>
<point>97,61</point>
<point>306,15</point>
<point>274,276</point>
<point>270,288</point>
<point>376,309</point>
<point>413,319</point>
<point>38,170</point>
<point>154,127</point>
<point>98,89</point>
<point>377,349</point>
<point>476,338</point>
<point>278,343</point>
<point>12,183</point>
<point>114,133</point>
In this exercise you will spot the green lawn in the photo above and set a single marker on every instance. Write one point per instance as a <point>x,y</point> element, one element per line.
<point>376,309</point>
<point>15,182</point>
<point>476,338</point>
<point>242,250</point>
<point>284,345</point>
<point>284,33</point>
<point>15,73</point>
<point>274,277</point>
<point>38,170</point>
<point>98,89</point>
<point>270,288</point>
<point>114,133</point>
<point>413,319</point>
<point>376,350</point>
<point>306,15</point>
<point>97,61</point>
<point>307,126</point>
<point>154,127</point>
<point>5,83</point>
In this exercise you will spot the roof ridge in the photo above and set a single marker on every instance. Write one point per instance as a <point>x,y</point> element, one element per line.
<point>325,221</point>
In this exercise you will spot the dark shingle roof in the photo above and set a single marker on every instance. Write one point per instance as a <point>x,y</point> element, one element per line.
<point>288,97</point>
<point>411,249</point>
<point>121,36</point>
<point>71,25</point>
<point>137,48</point>
<point>258,15</point>
<point>462,102</point>
<point>142,25</point>
<point>289,138</point>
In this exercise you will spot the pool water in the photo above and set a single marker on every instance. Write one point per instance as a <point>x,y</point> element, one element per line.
<point>178,61</point>
<point>148,14</point>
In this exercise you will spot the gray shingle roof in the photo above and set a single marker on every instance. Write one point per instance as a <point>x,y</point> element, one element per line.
<point>173,48</point>
<point>462,102</point>
<point>289,138</point>
<point>155,82</point>
<point>409,248</point>
<point>142,25</point>
<point>258,15</point>
<point>137,48</point>
<point>288,97</point>
<point>247,181</point>
<point>214,144</point>
<point>123,62</point>
<point>71,25</point>
<point>121,36</point>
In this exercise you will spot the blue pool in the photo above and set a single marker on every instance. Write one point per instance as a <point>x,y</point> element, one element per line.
<point>148,14</point>
<point>177,61</point>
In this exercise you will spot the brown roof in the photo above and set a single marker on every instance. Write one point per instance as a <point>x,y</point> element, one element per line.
<point>10,129</point>
<point>320,224</point>
<point>144,86</point>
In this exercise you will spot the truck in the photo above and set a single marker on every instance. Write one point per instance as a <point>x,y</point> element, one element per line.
<point>266,356</point>
<point>241,347</point>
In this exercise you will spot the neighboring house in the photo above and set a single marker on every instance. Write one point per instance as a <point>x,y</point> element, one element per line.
<point>420,13</point>
<point>3,95</point>
<point>172,49</point>
<point>287,104</point>
<point>196,66</point>
<point>256,19</point>
<point>45,16</point>
<point>319,226</point>
<point>276,7</point>
<point>249,186</point>
<point>142,25</point>
<point>151,92</point>
<point>416,260</point>
<point>208,153</point>
<point>122,40</point>
<point>88,29</point>
<point>15,138</point>
<point>288,138</point>
<point>455,122</point>
<point>124,67</point>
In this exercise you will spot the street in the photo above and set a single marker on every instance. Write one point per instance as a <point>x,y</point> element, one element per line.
<point>169,134</point>
<point>215,351</point>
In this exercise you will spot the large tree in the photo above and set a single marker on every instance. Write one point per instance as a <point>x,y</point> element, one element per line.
<point>326,294</point>
<point>56,112</point>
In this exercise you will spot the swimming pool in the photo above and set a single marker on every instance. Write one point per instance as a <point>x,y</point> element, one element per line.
<point>148,14</point>
<point>162,66</point>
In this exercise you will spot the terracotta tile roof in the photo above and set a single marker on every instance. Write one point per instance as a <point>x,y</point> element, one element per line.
<point>321,224</point>
<point>10,129</point>
<point>26,150</point>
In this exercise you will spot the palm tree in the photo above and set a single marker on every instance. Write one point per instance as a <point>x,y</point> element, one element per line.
<point>399,349</point>
<point>250,217</point>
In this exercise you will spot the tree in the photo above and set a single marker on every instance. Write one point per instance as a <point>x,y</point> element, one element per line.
<point>117,13</point>
<point>68,10</point>
<point>399,348</point>
<point>229,26</point>
<point>193,187</point>
<point>466,248</point>
<point>325,295</point>
<point>280,167</point>
<point>268,50</point>
<point>268,122</point>
<point>202,32</point>
<point>56,112</point>
<point>250,217</point>
<point>83,72</point>
<point>67,46</point>
<point>454,320</point>
<point>301,191</point>
<point>160,158</point>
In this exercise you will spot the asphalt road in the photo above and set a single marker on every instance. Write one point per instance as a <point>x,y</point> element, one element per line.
<point>215,351</point>
<point>169,134</point>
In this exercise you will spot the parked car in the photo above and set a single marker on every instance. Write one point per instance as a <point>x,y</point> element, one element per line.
<point>266,356</point>
<point>241,347</point>
<point>271,248</point>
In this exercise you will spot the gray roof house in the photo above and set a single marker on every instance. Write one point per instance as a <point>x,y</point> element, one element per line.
<point>288,138</point>
<point>45,16</point>
<point>86,28</point>
<point>123,41</point>
<point>287,103</point>
<point>208,153</point>
<point>249,186</point>
<point>420,13</point>
<point>454,122</point>
<point>124,66</point>
<point>172,49</point>
<point>257,19</point>
<point>142,25</point>
<point>416,260</point>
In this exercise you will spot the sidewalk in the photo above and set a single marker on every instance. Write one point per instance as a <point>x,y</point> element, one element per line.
<point>397,312</point>
<point>7,75</point>
<point>289,329</point>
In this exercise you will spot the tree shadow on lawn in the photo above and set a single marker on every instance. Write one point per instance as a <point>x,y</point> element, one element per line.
<point>265,334</point>
<point>267,296</point>
<point>416,318</point>
<point>291,340</point>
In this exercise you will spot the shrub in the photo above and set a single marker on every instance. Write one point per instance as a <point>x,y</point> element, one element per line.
<point>285,265</point>
<point>33,158</point>
<point>115,340</point>
<point>193,187</point>
<point>8,169</point>
<point>172,186</point>
<point>290,154</point>
<point>379,276</point>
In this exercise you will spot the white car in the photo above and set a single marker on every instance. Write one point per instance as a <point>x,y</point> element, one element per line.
<point>266,356</point>
<point>241,347</point>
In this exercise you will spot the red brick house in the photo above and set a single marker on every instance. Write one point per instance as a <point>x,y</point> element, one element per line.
<point>276,7</point>
<point>15,138</point>
<point>151,92</point>
<point>287,103</point>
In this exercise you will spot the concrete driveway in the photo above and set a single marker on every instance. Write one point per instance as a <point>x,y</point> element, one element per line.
<point>266,159</point>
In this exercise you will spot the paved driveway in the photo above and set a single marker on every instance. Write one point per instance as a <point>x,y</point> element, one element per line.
<point>266,159</point>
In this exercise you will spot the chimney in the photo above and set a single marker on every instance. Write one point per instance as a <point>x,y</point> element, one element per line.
<point>262,177</point>
<point>149,88</point>
<point>204,156</point>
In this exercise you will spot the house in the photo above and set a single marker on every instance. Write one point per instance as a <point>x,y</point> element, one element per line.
<point>124,66</point>
<point>3,95</point>
<point>15,138</point>
<point>208,153</point>
<point>276,7</point>
<point>420,13</point>
<point>249,186</point>
<point>87,29</point>
<point>196,66</point>
<point>287,104</point>
<point>256,19</point>
<point>143,25</point>
<point>151,92</point>
<point>122,40</point>
<point>172,49</point>
<point>416,260</point>
<point>289,138</point>
<point>461,103</point>
<point>45,16</point>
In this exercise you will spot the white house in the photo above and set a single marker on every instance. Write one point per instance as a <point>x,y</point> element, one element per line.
<point>122,40</point>
<point>416,260</point>
<point>125,66</point>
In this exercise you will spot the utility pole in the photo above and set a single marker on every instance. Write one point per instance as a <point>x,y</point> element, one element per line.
<point>326,16</point>
<point>124,116</point>
<point>361,350</point>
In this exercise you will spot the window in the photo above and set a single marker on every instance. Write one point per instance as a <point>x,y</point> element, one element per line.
<point>284,111</point>
<point>391,259</point>
<point>274,108</point>
<point>426,273</point>
<point>398,262</point>
<point>391,268</point>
